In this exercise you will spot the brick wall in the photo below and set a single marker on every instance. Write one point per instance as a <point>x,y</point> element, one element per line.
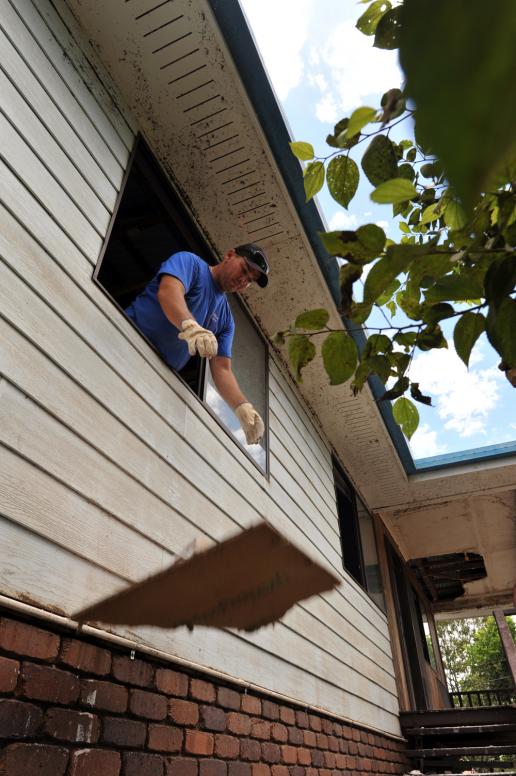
<point>75,707</point>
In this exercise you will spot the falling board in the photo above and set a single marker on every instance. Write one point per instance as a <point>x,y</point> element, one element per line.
<point>249,580</point>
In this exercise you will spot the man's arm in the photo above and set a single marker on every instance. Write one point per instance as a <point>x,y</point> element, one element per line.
<point>227,385</point>
<point>171,297</point>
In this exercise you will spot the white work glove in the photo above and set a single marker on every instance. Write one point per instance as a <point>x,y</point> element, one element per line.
<point>199,340</point>
<point>251,423</point>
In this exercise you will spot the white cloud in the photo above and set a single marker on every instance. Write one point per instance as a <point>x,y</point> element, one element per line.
<point>463,398</point>
<point>424,443</point>
<point>382,224</point>
<point>342,220</point>
<point>326,110</point>
<point>355,69</point>
<point>281,30</point>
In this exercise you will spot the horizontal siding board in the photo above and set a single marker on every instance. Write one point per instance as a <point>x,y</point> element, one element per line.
<point>117,139</point>
<point>18,155</point>
<point>50,154</point>
<point>44,72</point>
<point>35,500</point>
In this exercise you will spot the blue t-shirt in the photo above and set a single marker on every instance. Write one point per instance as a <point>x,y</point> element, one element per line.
<point>206,302</point>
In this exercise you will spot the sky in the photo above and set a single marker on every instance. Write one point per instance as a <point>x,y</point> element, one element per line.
<point>322,68</point>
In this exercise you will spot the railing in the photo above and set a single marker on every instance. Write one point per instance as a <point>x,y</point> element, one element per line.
<point>472,698</point>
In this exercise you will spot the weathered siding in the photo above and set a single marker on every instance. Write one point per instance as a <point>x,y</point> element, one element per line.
<point>109,465</point>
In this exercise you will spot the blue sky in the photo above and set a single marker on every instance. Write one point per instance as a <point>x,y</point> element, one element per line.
<point>322,68</point>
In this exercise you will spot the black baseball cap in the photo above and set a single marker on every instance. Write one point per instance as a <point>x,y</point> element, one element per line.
<point>257,257</point>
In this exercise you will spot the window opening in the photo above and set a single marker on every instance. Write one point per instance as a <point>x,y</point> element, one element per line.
<point>150,223</point>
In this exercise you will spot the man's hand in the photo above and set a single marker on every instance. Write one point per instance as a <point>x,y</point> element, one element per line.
<point>251,423</point>
<point>199,340</point>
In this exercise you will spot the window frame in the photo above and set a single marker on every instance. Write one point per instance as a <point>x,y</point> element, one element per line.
<point>140,143</point>
<point>349,492</point>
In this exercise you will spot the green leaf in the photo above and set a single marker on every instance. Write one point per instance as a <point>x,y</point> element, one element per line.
<point>349,274</point>
<point>467,330</point>
<point>312,320</point>
<point>406,415</point>
<point>431,337</point>
<point>454,214</point>
<point>455,288</point>
<point>303,151</point>
<point>387,33</point>
<point>411,155</point>
<point>406,171</point>
<point>313,179</point>
<point>342,176</point>
<point>398,389</point>
<point>359,118</point>
<point>397,259</point>
<point>418,396</point>
<point>376,343</point>
<point>394,190</point>
<point>500,328</point>
<point>393,104</point>
<point>433,266</point>
<point>368,22</point>
<point>339,138</point>
<point>436,313</point>
<point>388,293</point>
<point>404,227</point>
<point>379,160</point>
<point>405,338</point>
<point>500,280</point>
<point>372,239</point>
<point>459,71</point>
<point>340,357</point>
<point>430,214</point>
<point>332,243</point>
<point>301,351</point>
<point>360,312</point>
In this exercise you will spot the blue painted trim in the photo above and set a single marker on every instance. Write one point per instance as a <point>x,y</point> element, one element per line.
<point>504,450</point>
<point>250,68</point>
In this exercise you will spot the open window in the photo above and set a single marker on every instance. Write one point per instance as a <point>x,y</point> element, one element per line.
<point>149,224</point>
<point>357,538</point>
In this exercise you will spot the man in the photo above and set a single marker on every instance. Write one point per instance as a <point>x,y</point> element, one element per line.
<point>184,311</point>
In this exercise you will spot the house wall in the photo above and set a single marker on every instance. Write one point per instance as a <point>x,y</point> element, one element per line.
<point>109,466</point>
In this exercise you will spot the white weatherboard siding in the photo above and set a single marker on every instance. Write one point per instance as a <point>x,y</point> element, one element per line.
<point>109,466</point>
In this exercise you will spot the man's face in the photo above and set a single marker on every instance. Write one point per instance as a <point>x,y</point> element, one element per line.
<point>235,274</point>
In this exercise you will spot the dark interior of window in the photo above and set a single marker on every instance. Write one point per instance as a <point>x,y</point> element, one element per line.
<point>151,223</point>
<point>348,524</point>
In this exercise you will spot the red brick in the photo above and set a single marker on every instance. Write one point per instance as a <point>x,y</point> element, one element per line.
<point>229,699</point>
<point>333,744</point>
<point>355,734</point>
<point>104,695</point>
<point>212,768</point>
<point>85,657</point>
<point>361,749</point>
<point>141,764</point>
<point>136,672</point>
<point>301,719</point>
<point>250,750</point>
<point>287,715</point>
<point>68,725</point>
<point>202,691</point>
<point>183,712</point>
<point>260,729</point>
<point>343,746</point>
<point>23,639</point>
<point>352,747</point>
<point>29,759</point>
<point>181,766</point>
<point>327,726</point>
<point>150,705</point>
<point>279,732</point>
<point>238,723</point>
<point>270,710</point>
<point>315,723</point>
<point>289,755</point>
<point>123,732</point>
<point>337,729</point>
<point>295,736</point>
<point>322,740</point>
<point>350,763</point>
<point>213,718</point>
<point>370,739</point>
<point>239,769</point>
<point>271,753</point>
<point>304,756</point>
<point>165,738</point>
<point>94,762</point>
<point>279,770</point>
<point>171,682</point>
<point>19,720</point>
<point>346,731</point>
<point>363,736</point>
<point>9,670</point>
<point>251,705</point>
<point>329,759</point>
<point>324,772</point>
<point>340,761</point>
<point>317,758</point>
<point>260,769</point>
<point>296,770</point>
<point>197,742</point>
<point>309,738</point>
<point>45,683</point>
<point>227,747</point>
